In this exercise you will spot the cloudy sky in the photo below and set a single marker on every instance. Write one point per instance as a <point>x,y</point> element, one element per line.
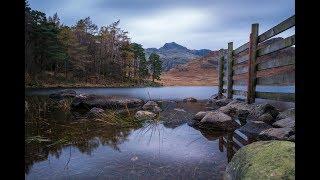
<point>196,24</point>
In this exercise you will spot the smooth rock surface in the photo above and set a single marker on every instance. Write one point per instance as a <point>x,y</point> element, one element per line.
<point>109,102</point>
<point>275,134</point>
<point>219,120</point>
<point>286,122</point>
<point>263,160</point>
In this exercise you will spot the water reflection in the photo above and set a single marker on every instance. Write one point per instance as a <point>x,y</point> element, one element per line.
<point>84,148</point>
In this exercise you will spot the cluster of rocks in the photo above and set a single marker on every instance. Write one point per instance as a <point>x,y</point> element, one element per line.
<point>95,104</point>
<point>262,121</point>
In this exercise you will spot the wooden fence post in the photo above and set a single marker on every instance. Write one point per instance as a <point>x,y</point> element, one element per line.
<point>221,76</point>
<point>230,70</point>
<point>253,44</point>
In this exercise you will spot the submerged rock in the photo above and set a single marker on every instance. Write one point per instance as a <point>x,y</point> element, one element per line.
<point>141,115</point>
<point>190,99</point>
<point>151,106</point>
<point>67,93</point>
<point>263,160</point>
<point>109,102</point>
<point>286,122</point>
<point>219,120</point>
<point>275,134</point>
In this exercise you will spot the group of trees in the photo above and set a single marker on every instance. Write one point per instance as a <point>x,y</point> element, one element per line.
<point>83,50</point>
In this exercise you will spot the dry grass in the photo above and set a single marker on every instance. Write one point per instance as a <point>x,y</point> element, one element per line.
<point>192,75</point>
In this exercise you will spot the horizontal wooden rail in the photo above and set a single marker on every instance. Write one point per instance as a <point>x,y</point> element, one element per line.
<point>240,92</point>
<point>287,42</point>
<point>278,62</point>
<point>241,76</point>
<point>288,97</point>
<point>289,51</point>
<point>284,79</point>
<point>240,82</point>
<point>286,24</point>
<point>275,71</point>
<point>241,59</point>
<point>241,48</point>
<point>240,69</point>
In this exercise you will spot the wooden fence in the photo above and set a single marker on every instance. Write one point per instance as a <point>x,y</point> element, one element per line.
<point>260,62</point>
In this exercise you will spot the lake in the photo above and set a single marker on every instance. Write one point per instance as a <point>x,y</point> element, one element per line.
<point>63,144</point>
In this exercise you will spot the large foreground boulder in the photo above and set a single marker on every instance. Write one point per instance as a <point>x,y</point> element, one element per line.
<point>109,102</point>
<point>67,93</point>
<point>263,160</point>
<point>219,120</point>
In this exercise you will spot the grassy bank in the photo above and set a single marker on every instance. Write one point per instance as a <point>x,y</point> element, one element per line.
<point>49,80</point>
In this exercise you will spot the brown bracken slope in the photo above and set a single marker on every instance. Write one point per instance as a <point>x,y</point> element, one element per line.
<point>197,72</point>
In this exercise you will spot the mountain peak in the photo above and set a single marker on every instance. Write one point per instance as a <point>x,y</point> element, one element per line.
<point>173,45</point>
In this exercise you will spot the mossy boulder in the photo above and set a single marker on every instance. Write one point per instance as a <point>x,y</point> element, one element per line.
<point>263,160</point>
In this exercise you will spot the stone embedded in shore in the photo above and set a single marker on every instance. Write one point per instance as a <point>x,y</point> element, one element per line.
<point>219,120</point>
<point>289,113</point>
<point>267,118</point>
<point>253,128</point>
<point>95,112</point>
<point>67,93</point>
<point>110,102</point>
<point>142,115</point>
<point>288,122</point>
<point>190,99</point>
<point>261,109</point>
<point>263,160</point>
<point>276,134</point>
<point>217,96</point>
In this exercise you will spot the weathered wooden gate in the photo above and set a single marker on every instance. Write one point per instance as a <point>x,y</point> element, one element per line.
<point>260,62</point>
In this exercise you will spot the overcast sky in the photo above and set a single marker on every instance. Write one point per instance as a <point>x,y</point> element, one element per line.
<point>196,24</point>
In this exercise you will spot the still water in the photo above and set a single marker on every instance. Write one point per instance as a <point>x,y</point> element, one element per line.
<point>62,144</point>
<point>168,93</point>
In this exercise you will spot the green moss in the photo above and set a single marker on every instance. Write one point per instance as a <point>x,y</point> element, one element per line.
<point>264,160</point>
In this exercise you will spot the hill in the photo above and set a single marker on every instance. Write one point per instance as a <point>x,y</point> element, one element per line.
<point>173,54</point>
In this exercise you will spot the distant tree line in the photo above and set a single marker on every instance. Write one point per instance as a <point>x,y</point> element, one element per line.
<point>83,50</point>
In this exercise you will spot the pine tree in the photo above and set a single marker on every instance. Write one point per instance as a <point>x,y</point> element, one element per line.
<point>140,61</point>
<point>156,65</point>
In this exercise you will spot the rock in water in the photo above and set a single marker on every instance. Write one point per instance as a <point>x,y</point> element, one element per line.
<point>109,102</point>
<point>219,120</point>
<point>286,122</point>
<point>263,160</point>
<point>141,115</point>
<point>67,93</point>
<point>261,109</point>
<point>190,99</point>
<point>200,115</point>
